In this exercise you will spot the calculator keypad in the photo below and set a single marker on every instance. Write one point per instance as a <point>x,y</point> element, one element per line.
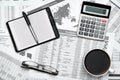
<point>92,27</point>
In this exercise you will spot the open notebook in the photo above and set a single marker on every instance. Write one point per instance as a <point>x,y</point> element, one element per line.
<point>43,30</point>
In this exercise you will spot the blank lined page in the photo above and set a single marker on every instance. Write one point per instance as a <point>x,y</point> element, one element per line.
<point>42,26</point>
<point>21,34</point>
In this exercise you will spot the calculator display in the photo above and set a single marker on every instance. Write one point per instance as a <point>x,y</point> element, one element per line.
<point>96,10</point>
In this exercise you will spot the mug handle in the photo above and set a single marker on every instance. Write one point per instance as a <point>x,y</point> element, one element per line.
<point>111,70</point>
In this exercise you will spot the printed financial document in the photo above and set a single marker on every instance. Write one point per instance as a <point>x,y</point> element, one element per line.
<point>11,9</point>
<point>10,70</point>
<point>116,2</point>
<point>114,20</point>
<point>65,54</point>
<point>113,49</point>
<point>114,41</point>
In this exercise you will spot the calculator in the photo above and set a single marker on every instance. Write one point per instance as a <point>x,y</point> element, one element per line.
<point>93,20</point>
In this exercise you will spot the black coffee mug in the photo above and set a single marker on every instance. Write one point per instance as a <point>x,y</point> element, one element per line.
<point>97,62</point>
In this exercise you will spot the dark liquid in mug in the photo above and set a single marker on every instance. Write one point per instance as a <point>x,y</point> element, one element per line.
<point>97,62</point>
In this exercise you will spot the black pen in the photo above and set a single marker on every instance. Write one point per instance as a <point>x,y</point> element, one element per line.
<point>29,25</point>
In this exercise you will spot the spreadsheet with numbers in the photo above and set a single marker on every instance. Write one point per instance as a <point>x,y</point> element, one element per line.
<point>9,10</point>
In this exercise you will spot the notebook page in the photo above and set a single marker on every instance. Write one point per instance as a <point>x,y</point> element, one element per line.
<point>42,26</point>
<point>21,34</point>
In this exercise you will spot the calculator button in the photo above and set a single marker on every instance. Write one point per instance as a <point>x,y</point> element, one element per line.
<point>103,28</point>
<point>98,23</point>
<point>82,25</point>
<point>99,20</point>
<point>101,36</point>
<point>91,35</point>
<point>96,31</point>
<point>97,28</point>
<point>83,17</point>
<point>87,21</point>
<point>92,26</point>
<point>91,31</point>
<point>87,26</point>
<point>86,30</point>
<point>96,35</point>
<point>85,33</point>
<point>93,19</point>
<point>102,32</point>
<point>81,29</point>
<point>81,33</point>
<point>104,21</point>
<point>103,24</point>
<point>92,22</point>
<point>83,21</point>
<point>89,18</point>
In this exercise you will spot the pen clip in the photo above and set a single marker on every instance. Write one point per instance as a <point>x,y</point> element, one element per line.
<point>26,18</point>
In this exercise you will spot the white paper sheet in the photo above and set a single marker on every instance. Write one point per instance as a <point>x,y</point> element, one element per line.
<point>116,2</point>
<point>66,53</point>
<point>34,75</point>
<point>9,10</point>
<point>10,68</point>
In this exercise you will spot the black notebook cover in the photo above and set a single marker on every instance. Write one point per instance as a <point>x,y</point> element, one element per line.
<point>43,25</point>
